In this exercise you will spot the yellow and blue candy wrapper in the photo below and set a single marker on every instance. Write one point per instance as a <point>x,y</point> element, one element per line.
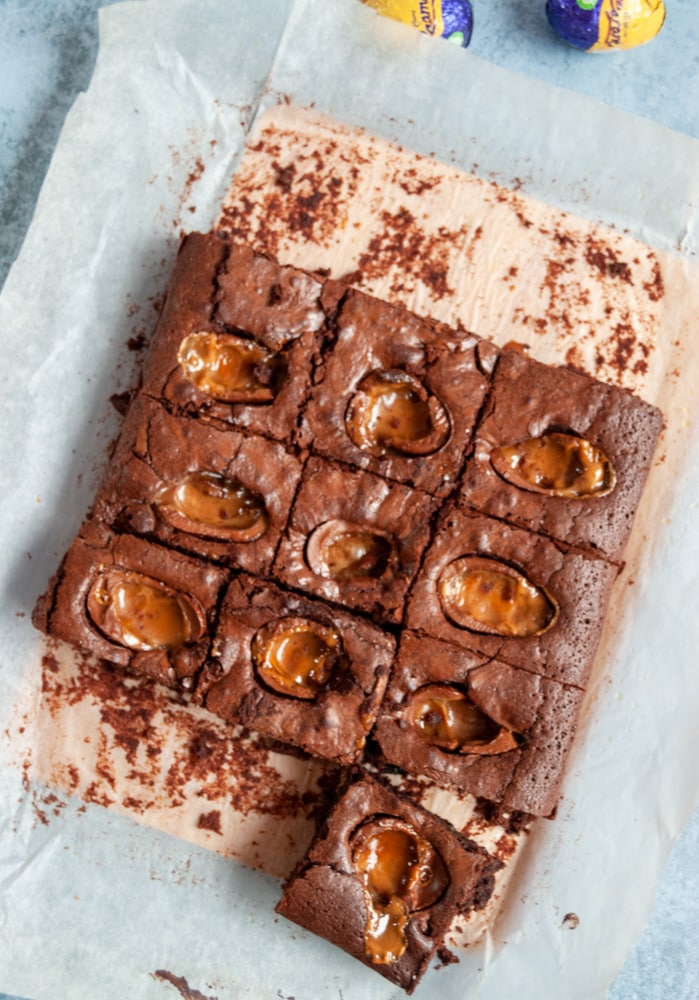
<point>450,19</point>
<point>606,25</point>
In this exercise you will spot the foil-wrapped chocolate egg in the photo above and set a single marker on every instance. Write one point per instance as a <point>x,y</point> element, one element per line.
<point>606,25</point>
<point>450,19</point>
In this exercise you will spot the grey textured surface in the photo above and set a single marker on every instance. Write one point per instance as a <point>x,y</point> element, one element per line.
<point>47,54</point>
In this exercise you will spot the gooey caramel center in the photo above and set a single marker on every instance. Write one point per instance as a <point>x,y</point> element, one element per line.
<point>342,551</point>
<point>211,504</point>
<point>296,656</point>
<point>400,872</point>
<point>229,368</point>
<point>355,554</point>
<point>444,715</point>
<point>486,596</point>
<point>393,412</point>
<point>557,464</point>
<point>141,613</point>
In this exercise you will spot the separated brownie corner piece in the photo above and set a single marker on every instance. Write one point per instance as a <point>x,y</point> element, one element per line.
<point>354,538</point>
<point>219,494</point>
<point>133,603</point>
<point>561,453</point>
<point>384,880</point>
<point>511,594</point>
<point>237,337</point>
<point>294,669</point>
<point>396,394</point>
<point>497,731</point>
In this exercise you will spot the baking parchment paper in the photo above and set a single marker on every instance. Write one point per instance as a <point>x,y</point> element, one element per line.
<point>94,904</point>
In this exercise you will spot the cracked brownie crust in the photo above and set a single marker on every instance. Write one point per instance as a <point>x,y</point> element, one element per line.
<point>225,291</point>
<point>67,610</point>
<point>578,585</point>
<point>373,338</point>
<point>334,723</point>
<point>540,714</point>
<point>152,479</point>
<point>527,400</point>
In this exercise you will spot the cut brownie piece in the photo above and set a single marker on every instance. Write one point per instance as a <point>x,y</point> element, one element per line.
<point>354,538</point>
<point>505,592</point>
<point>295,670</point>
<point>217,494</point>
<point>384,879</point>
<point>133,603</point>
<point>237,337</point>
<point>397,395</point>
<point>560,453</point>
<point>497,731</point>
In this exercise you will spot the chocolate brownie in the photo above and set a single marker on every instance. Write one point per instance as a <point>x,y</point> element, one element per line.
<point>396,394</point>
<point>218,494</point>
<point>390,473</point>
<point>485,727</point>
<point>384,879</point>
<point>354,538</point>
<point>295,670</point>
<point>506,592</point>
<point>138,605</point>
<point>561,453</point>
<point>237,337</point>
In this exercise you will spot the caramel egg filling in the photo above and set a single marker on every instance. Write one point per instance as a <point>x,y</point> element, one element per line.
<point>484,595</point>
<point>296,656</point>
<point>206,503</point>
<point>229,368</point>
<point>400,872</point>
<point>556,464</point>
<point>141,613</point>
<point>444,715</point>
<point>341,551</point>
<point>392,412</point>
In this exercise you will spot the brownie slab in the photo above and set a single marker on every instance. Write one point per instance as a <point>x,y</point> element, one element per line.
<point>218,494</point>
<point>571,586</point>
<point>138,605</point>
<point>529,400</point>
<point>237,337</point>
<point>518,726</point>
<point>259,672</point>
<point>333,891</point>
<point>396,394</point>
<point>354,538</point>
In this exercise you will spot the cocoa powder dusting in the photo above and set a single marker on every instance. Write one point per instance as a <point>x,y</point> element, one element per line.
<point>124,742</point>
<point>417,232</point>
<point>305,197</point>
<point>138,717</point>
<point>603,257</point>
<point>400,239</point>
<point>210,821</point>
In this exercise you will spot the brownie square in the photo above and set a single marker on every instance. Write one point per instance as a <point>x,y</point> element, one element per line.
<point>328,895</point>
<point>215,493</point>
<point>133,603</point>
<point>262,627</point>
<point>572,588</point>
<point>397,395</point>
<point>529,400</point>
<point>354,538</point>
<point>225,298</point>
<point>515,751</point>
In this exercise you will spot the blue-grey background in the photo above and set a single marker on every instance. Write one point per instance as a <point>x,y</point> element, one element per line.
<point>47,54</point>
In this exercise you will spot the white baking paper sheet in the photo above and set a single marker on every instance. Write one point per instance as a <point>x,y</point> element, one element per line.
<point>95,904</point>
